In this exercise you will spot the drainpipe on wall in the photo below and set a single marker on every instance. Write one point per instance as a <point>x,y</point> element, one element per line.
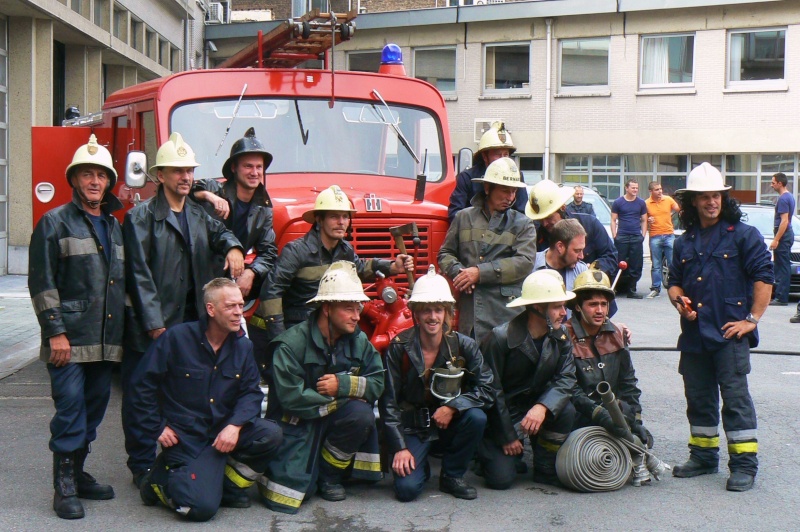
<point>546,158</point>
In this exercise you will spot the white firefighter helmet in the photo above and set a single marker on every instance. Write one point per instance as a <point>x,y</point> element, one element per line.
<point>96,154</point>
<point>704,178</point>
<point>495,137</point>
<point>503,172</point>
<point>175,153</point>
<point>431,288</point>
<point>340,283</point>
<point>542,286</point>
<point>332,198</point>
<point>545,198</point>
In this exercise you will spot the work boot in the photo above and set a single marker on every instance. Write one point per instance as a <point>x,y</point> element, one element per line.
<point>331,492</point>
<point>693,468</point>
<point>739,481</point>
<point>139,476</point>
<point>65,500</point>
<point>634,295</point>
<point>551,479</point>
<point>457,487</point>
<point>233,496</point>
<point>795,318</point>
<point>88,487</point>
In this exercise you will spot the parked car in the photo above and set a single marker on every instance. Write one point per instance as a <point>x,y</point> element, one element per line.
<point>762,218</point>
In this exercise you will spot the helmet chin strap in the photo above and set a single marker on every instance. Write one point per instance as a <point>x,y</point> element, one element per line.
<point>535,311</point>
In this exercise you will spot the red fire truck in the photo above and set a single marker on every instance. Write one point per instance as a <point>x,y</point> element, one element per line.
<point>382,137</point>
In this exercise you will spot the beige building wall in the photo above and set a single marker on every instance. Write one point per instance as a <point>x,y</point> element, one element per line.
<point>708,118</point>
<point>96,62</point>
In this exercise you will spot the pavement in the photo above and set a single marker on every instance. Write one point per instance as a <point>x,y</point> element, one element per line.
<point>670,504</point>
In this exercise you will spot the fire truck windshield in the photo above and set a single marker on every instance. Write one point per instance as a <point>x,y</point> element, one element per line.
<point>306,136</point>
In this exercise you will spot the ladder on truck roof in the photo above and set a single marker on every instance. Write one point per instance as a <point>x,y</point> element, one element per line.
<point>295,41</point>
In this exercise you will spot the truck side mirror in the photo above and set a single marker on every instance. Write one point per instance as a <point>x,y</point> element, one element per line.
<point>464,159</point>
<point>135,169</point>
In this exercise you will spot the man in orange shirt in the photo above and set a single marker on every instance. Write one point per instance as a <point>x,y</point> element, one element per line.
<point>662,233</point>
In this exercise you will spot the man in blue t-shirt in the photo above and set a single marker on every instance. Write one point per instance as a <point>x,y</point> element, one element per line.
<point>781,245</point>
<point>628,227</point>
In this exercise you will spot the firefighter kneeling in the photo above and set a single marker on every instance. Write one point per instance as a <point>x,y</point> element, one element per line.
<point>534,377</point>
<point>437,388</point>
<point>324,378</point>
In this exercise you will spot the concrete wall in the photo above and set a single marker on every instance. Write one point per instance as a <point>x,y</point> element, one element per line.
<point>706,118</point>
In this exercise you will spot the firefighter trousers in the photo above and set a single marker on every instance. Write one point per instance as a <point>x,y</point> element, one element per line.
<point>80,395</point>
<point>706,377</point>
<point>458,444</point>
<point>194,486</point>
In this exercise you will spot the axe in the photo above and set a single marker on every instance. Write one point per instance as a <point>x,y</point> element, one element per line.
<point>397,232</point>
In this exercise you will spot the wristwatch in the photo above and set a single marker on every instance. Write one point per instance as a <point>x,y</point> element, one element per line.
<point>752,319</point>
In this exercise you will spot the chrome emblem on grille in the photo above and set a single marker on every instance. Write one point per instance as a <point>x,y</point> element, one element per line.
<point>373,203</point>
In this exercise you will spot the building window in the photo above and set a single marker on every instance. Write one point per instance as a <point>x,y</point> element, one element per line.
<point>667,60</point>
<point>756,55</point>
<point>437,66</point>
<point>150,42</point>
<point>507,68</point>
<point>584,64</point>
<point>137,34</point>
<point>532,167</point>
<point>120,29</point>
<point>771,165</point>
<point>363,61</point>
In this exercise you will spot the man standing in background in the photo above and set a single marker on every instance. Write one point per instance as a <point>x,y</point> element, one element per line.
<point>662,233</point>
<point>781,245</point>
<point>628,227</point>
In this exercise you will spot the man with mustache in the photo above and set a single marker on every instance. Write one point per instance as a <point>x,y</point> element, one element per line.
<point>170,245</point>
<point>324,381</point>
<point>437,391</point>
<point>720,282</point>
<point>489,250</point>
<point>76,277</point>
<point>534,378</point>
<point>196,392</point>
<point>296,275</point>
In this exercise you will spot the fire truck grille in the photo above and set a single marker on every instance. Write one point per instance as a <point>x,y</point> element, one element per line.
<point>376,242</point>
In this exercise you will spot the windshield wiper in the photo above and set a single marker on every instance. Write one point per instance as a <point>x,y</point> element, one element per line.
<point>235,112</point>
<point>303,132</point>
<point>397,131</point>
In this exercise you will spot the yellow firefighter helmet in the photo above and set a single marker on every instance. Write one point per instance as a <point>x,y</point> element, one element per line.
<point>542,286</point>
<point>175,153</point>
<point>545,198</point>
<point>332,198</point>
<point>495,137</point>
<point>96,154</point>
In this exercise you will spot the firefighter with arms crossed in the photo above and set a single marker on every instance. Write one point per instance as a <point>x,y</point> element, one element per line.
<point>720,282</point>
<point>437,388</point>
<point>76,277</point>
<point>325,378</point>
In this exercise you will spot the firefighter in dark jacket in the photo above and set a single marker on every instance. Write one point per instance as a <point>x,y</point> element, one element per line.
<point>295,278</point>
<point>720,281</point>
<point>488,251</point>
<point>243,205</point>
<point>601,354</point>
<point>326,377</point>
<point>546,206</point>
<point>437,391</point>
<point>196,392</point>
<point>76,277</point>
<point>170,244</point>
<point>534,379</point>
<point>495,143</point>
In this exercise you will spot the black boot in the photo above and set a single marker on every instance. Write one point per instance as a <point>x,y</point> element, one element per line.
<point>88,487</point>
<point>739,481</point>
<point>233,496</point>
<point>693,468</point>
<point>65,500</point>
<point>457,487</point>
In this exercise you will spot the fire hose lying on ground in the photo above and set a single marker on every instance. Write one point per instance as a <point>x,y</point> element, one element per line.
<point>593,460</point>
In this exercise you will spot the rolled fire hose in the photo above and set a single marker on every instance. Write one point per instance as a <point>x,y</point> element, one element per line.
<point>592,460</point>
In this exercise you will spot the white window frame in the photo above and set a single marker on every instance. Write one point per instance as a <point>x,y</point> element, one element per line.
<point>583,88</point>
<point>526,90</point>
<point>667,85</point>
<point>765,83</point>
<point>351,53</point>
<point>455,65</point>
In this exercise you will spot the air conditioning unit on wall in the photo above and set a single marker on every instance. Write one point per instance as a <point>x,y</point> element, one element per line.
<point>481,127</point>
<point>215,13</point>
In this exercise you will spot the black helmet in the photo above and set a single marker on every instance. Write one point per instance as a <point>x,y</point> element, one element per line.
<point>247,144</point>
